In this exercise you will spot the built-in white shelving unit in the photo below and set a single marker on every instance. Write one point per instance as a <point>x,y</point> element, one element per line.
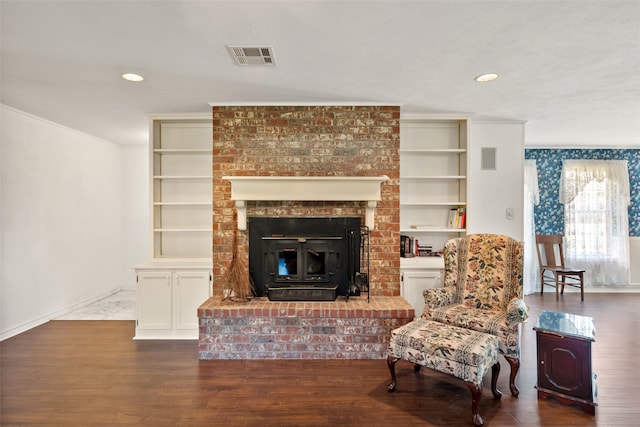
<point>177,278</point>
<point>182,188</point>
<point>433,184</point>
<point>433,177</point>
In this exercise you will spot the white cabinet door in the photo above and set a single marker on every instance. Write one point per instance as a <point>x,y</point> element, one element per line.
<point>190,290</point>
<point>414,282</point>
<point>154,300</point>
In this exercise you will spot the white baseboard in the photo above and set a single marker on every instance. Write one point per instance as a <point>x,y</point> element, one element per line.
<point>596,289</point>
<point>59,313</point>
<point>602,289</point>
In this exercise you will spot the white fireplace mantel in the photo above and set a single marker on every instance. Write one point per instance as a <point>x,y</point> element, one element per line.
<point>306,188</point>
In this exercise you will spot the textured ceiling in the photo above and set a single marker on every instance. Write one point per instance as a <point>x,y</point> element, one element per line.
<point>570,69</point>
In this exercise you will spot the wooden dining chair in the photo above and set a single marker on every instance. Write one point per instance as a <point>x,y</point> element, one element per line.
<point>553,271</point>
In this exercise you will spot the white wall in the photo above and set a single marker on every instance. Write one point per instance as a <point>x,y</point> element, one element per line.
<point>136,246</point>
<point>64,216</point>
<point>491,192</point>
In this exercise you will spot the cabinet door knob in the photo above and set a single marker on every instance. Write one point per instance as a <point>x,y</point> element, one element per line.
<point>542,362</point>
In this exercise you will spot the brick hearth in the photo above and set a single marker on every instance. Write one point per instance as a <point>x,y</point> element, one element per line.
<point>263,329</point>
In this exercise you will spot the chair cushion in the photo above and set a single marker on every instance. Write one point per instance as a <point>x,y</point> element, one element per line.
<point>460,352</point>
<point>489,322</point>
<point>489,271</point>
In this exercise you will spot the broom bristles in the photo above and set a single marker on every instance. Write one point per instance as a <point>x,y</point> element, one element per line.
<point>236,285</point>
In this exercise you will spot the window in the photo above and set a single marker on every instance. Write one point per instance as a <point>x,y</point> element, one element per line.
<point>595,194</point>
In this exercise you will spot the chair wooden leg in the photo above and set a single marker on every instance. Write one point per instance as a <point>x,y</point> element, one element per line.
<point>514,363</point>
<point>391,364</point>
<point>495,372</point>
<point>476,394</point>
<point>581,287</point>
<point>557,285</point>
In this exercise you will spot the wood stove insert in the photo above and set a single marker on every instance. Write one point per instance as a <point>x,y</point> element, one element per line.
<point>302,259</point>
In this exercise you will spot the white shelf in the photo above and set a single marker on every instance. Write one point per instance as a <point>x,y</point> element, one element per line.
<point>178,177</point>
<point>181,229</point>
<point>182,203</point>
<point>433,230</point>
<point>435,177</point>
<point>432,151</point>
<point>182,151</point>
<point>433,203</point>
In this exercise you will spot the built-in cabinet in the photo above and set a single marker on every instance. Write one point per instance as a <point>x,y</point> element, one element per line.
<point>168,298</point>
<point>177,279</point>
<point>433,196</point>
<point>416,277</point>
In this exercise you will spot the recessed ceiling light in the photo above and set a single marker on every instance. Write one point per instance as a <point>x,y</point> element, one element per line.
<point>132,77</point>
<point>486,77</point>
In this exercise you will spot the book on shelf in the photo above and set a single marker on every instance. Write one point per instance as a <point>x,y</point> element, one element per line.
<point>424,250</point>
<point>411,247</point>
<point>451,221</point>
<point>406,246</point>
<point>457,218</point>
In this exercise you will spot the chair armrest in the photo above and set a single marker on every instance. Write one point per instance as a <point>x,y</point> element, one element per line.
<point>517,311</point>
<point>437,297</point>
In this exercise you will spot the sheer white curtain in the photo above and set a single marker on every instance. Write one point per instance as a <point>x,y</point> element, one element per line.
<point>531,198</point>
<point>595,194</point>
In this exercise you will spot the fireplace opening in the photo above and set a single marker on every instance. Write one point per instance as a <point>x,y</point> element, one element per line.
<point>306,259</point>
<point>301,259</point>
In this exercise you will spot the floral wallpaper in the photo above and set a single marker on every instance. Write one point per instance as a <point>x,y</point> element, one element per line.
<point>549,214</point>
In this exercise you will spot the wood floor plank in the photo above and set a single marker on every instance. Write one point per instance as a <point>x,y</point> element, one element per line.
<point>93,373</point>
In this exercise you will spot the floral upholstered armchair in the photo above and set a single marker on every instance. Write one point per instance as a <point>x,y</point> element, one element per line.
<point>483,292</point>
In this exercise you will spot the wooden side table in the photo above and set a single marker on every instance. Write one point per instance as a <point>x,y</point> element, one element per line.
<point>564,359</point>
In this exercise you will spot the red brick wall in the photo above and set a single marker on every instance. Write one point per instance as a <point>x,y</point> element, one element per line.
<point>353,329</point>
<point>308,141</point>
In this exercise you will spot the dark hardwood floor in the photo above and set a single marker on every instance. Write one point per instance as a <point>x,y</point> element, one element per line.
<point>92,373</point>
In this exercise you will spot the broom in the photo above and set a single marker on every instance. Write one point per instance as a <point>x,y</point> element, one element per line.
<point>236,286</point>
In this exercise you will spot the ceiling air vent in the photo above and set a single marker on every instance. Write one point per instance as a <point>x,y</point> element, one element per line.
<point>252,55</point>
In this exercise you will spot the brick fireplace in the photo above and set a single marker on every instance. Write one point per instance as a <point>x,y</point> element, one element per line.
<point>309,141</point>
